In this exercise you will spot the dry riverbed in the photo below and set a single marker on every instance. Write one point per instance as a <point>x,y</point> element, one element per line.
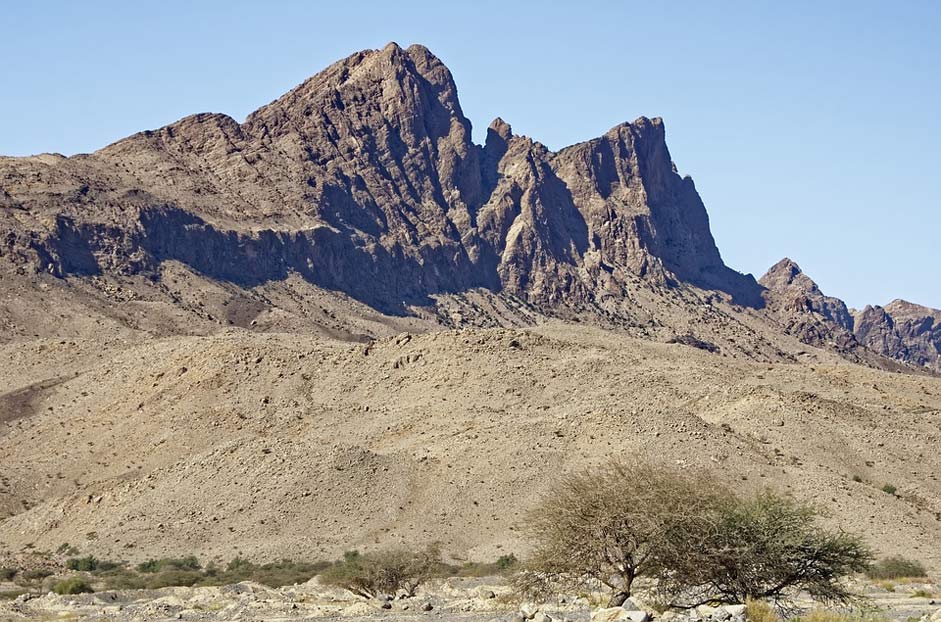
<point>468,600</point>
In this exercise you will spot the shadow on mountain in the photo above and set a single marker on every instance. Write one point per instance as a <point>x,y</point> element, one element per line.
<point>387,279</point>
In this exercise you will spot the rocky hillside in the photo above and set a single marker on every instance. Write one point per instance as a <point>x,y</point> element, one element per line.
<point>275,445</point>
<point>901,331</point>
<point>362,187</point>
<point>364,180</point>
<point>236,338</point>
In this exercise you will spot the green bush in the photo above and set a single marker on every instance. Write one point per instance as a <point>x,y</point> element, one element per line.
<point>173,578</point>
<point>607,526</point>
<point>286,572</point>
<point>7,574</point>
<point>124,579</point>
<point>72,585</point>
<point>504,565</point>
<point>169,563</point>
<point>700,542</point>
<point>889,489</point>
<point>83,564</point>
<point>384,572</point>
<point>89,564</point>
<point>11,594</point>
<point>896,567</point>
<point>274,574</point>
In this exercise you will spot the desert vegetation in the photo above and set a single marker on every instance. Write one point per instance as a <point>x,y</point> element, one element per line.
<point>699,542</point>
<point>896,567</point>
<point>682,535</point>
<point>384,572</point>
<point>72,585</point>
<point>371,574</point>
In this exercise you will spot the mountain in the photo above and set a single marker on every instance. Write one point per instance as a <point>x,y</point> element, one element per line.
<point>904,332</point>
<point>364,180</point>
<point>341,324</point>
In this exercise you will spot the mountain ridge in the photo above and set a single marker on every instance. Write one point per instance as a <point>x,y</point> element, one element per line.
<point>345,325</point>
<point>364,180</point>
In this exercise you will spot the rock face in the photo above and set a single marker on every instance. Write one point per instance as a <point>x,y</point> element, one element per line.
<point>903,331</point>
<point>804,310</point>
<point>900,331</point>
<point>364,180</point>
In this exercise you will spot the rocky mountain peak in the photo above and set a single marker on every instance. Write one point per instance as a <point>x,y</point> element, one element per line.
<point>364,179</point>
<point>902,330</point>
<point>500,129</point>
<point>787,267</point>
<point>804,310</point>
<point>786,274</point>
<point>904,308</point>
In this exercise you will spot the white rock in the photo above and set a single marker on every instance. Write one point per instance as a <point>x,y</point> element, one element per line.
<point>619,614</point>
<point>528,610</point>
<point>713,613</point>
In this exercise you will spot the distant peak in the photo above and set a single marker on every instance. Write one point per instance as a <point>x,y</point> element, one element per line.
<point>501,128</point>
<point>900,306</point>
<point>785,274</point>
<point>642,120</point>
<point>786,265</point>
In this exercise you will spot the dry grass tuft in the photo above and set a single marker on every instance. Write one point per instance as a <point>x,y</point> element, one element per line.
<point>760,611</point>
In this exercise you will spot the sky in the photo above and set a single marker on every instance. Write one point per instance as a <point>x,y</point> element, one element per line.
<point>812,129</point>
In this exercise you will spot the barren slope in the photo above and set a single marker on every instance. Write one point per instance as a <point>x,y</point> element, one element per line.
<point>283,445</point>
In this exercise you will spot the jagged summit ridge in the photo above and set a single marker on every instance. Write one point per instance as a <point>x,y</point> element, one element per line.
<point>901,331</point>
<point>364,179</point>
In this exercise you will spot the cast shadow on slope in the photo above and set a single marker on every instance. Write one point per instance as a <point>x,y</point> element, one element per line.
<point>387,279</point>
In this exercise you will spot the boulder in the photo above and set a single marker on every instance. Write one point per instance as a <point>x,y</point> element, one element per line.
<point>736,611</point>
<point>619,614</point>
<point>528,610</point>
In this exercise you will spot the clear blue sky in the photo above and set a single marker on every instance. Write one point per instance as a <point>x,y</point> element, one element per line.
<point>812,129</point>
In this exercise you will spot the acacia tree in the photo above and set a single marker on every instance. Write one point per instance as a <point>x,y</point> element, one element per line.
<point>384,572</point>
<point>614,523</point>
<point>764,547</point>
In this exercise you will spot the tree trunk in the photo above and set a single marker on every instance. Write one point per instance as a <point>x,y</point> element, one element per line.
<point>617,599</point>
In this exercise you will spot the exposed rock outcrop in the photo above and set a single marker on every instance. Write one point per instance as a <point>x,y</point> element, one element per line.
<point>804,311</point>
<point>364,179</point>
<point>903,331</point>
<point>907,333</point>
